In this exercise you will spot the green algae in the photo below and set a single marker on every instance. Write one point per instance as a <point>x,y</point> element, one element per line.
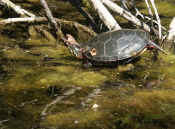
<point>44,74</point>
<point>75,119</point>
<point>69,76</point>
<point>140,108</point>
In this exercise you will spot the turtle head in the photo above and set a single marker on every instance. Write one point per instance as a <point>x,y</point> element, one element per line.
<point>74,46</point>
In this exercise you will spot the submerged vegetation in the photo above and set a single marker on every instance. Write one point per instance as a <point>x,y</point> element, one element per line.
<point>35,72</point>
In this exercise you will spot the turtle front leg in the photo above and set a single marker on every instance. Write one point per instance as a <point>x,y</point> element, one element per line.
<point>87,63</point>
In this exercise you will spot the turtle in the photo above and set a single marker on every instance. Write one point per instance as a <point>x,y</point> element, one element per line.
<point>112,47</point>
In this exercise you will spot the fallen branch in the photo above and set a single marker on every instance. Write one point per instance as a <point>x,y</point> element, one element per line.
<point>149,8</point>
<point>49,14</point>
<point>58,33</point>
<point>124,3</point>
<point>105,15</point>
<point>76,3</point>
<point>158,18</point>
<point>26,19</point>
<point>44,19</point>
<point>171,35</point>
<point>17,9</point>
<point>127,15</point>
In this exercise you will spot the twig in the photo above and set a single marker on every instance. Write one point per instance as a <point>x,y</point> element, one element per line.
<point>90,19</point>
<point>17,9</point>
<point>105,15</point>
<point>43,19</point>
<point>58,99</point>
<point>127,15</point>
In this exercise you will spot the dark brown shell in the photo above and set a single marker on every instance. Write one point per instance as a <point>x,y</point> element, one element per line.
<point>117,45</point>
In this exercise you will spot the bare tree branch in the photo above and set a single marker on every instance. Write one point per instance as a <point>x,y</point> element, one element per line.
<point>17,9</point>
<point>44,19</point>
<point>171,35</point>
<point>105,15</point>
<point>76,3</point>
<point>127,15</point>
<point>149,8</point>
<point>157,17</point>
<point>51,19</point>
<point>26,19</point>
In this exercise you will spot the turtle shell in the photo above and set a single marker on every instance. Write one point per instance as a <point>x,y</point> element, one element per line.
<point>117,45</point>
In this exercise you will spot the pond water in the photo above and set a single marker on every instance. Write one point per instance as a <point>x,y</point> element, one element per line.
<point>42,86</point>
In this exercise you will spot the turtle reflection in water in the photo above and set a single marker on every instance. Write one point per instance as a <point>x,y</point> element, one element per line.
<point>112,47</point>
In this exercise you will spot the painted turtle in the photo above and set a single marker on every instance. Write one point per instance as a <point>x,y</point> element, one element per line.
<point>112,47</point>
